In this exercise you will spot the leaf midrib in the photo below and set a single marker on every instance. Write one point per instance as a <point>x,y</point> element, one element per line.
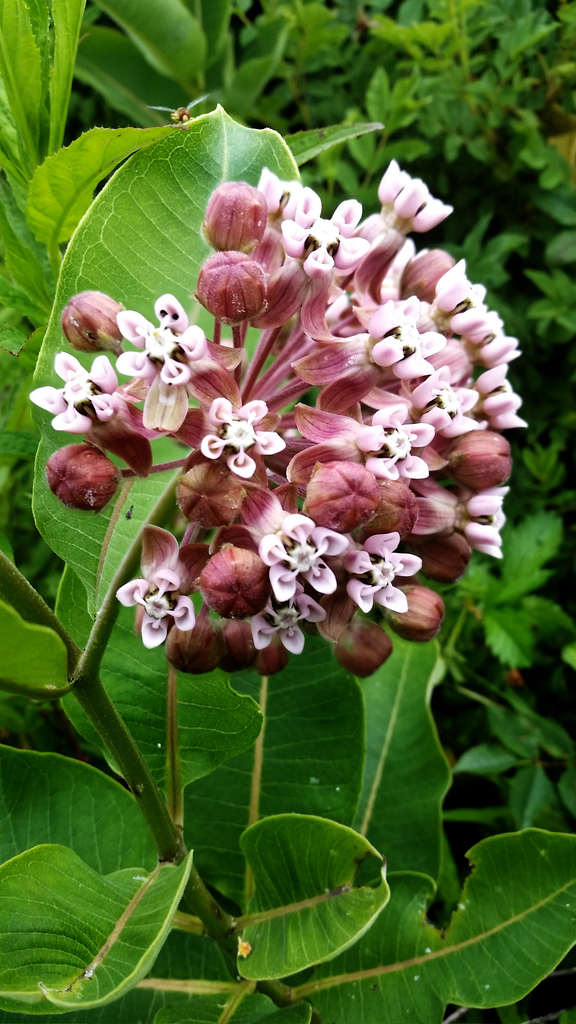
<point>385,749</point>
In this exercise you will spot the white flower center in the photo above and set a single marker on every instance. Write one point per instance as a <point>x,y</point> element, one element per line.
<point>286,617</point>
<point>397,445</point>
<point>79,389</point>
<point>446,400</point>
<point>301,557</point>
<point>322,233</point>
<point>239,434</point>
<point>156,606</point>
<point>161,343</point>
<point>382,571</point>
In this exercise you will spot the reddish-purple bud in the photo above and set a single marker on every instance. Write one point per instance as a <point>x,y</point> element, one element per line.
<point>342,496</point>
<point>480,459</point>
<point>240,650</point>
<point>82,477</point>
<point>424,616</point>
<point>272,659</point>
<point>397,510</point>
<point>235,583</point>
<point>210,495</point>
<point>444,559</point>
<point>236,217</point>
<point>89,323</point>
<point>421,275</point>
<point>196,650</point>
<point>232,287</point>
<point>339,610</point>
<point>363,647</point>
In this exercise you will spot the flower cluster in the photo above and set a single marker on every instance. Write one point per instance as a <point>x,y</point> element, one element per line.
<point>304,515</point>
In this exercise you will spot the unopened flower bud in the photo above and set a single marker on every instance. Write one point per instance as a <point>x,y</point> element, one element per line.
<point>342,496</point>
<point>422,274</point>
<point>89,323</point>
<point>272,659</point>
<point>236,217</point>
<point>210,495</point>
<point>196,650</point>
<point>444,559</point>
<point>82,477</point>
<point>235,583</point>
<point>397,510</point>
<point>424,616</point>
<point>363,647</point>
<point>240,650</point>
<point>232,287</point>
<point>480,459</point>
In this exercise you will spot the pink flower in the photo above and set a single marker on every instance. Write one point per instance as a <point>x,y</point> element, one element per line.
<point>392,439</point>
<point>236,433</point>
<point>87,395</point>
<point>325,245</point>
<point>486,519</point>
<point>444,406</point>
<point>402,346</point>
<point>167,572</point>
<point>297,549</point>
<point>375,567</point>
<point>498,402</point>
<point>282,617</point>
<point>409,199</point>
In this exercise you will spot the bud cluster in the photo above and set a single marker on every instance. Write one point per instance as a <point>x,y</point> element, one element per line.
<point>303,517</point>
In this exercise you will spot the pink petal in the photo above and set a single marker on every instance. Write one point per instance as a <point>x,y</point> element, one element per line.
<point>49,398</point>
<point>293,238</point>
<point>361,594</point>
<point>134,326</point>
<point>409,565</point>
<point>67,366</point>
<point>183,613</point>
<point>170,313</point>
<point>133,592</point>
<point>309,608</point>
<point>308,208</point>
<point>262,631</point>
<point>159,551</point>
<point>135,364</point>
<point>154,631</point>
<point>269,443</point>
<point>350,252</point>
<point>392,598</point>
<point>241,464</point>
<point>321,578</point>
<point>283,581</point>
<point>175,373</point>
<point>72,421</point>
<point>194,343</point>
<point>292,639</point>
<point>382,544</point>
<point>102,373</point>
<point>346,216</point>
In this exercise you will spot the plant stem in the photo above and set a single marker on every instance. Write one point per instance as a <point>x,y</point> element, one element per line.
<point>21,595</point>
<point>174,794</point>
<point>263,350</point>
<point>157,469</point>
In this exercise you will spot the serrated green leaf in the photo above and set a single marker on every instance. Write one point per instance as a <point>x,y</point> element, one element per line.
<point>110,63</point>
<point>508,636</point>
<point>61,189</point>
<point>33,659</point>
<point>47,798</point>
<point>528,547</point>
<point>485,759</point>
<point>67,18</point>
<point>306,910</point>
<point>73,938</point>
<point>23,265</point>
<point>160,197</point>
<point>309,759</point>
<point>515,921</point>
<point>516,731</point>
<point>531,792</point>
<point>406,775</point>
<point>166,32</point>
<point>307,145</point>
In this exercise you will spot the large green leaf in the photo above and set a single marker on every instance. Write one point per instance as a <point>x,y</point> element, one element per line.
<point>21,68</point>
<point>406,773</point>
<point>306,145</point>
<point>72,938</point>
<point>141,238</point>
<point>214,721</point>
<point>308,758</point>
<point>238,1008</point>
<point>33,659</point>
<point>305,908</point>
<point>67,18</point>
<point>47,798</point>
<point>515,921</point>
<point>166,32</point>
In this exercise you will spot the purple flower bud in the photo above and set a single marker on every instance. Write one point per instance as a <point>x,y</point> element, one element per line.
<point>82,477</point>
<point>363,647</point>
<point>444,559</point>
<point>341,496</point>
<point>232,287</point>
<point>480,459</point>
<point>422,274</point>
<point>272,659</point>
<point>210,495</point>
<point>235,583</point>
<point>89,323</point>
<point>236,217</point>
<point>397,510</point>
<point>240,651</point>
<point>424,616</point>
<point>196,650</point>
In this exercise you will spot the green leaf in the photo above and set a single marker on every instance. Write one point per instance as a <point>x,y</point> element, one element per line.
<point>508,636</point>
<point>307,909</point>
<point>309,759</point>
<point>561,249</point>
<point>252,76</point>
<point>33,659</point>
<point>159,197</point>
<point>215,17</point>
<point>551,735</point>
<point>61,189</point>
<point>166,33</point>
<point>214,722</point>
<point>249,1009</point>
<point>485,759</point>
<point>306,145</point>
<point>49,798</point>
<point>20,443</point>
<point>528,547</point>
<point>400,806</point>
<point>516,731</point>
<point>531,792</point>
<point>110,63</point>
<point>21,71</point>
<point>567,789</point>
<point>67,18</point>
<point>515,921</point>
<point>72,938</point>
<point>23,264</point>
<point>569,655</point>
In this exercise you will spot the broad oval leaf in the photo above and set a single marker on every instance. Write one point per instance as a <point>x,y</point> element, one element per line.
<point>306,909</point>
<point>306,145</point>
<point>33,659</point>
<point>72,938</point>
<point>140,239</point>
<point>406,774</point>
<point>249,1009</point>
<point>47,798</point>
